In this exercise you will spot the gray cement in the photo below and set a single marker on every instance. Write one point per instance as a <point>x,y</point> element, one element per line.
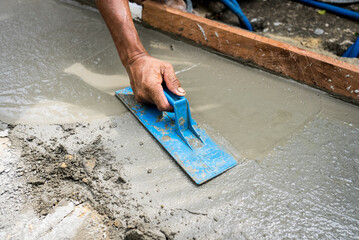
<point>75,164</point>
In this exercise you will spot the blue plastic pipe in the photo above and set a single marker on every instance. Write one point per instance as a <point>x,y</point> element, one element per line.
<point>353,50</point>
<point>235,3</point>
<point>332,8</point>
<point>234,6</point>
<point>189,7</point>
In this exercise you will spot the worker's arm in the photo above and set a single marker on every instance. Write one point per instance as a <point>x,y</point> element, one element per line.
<point>145,72</point>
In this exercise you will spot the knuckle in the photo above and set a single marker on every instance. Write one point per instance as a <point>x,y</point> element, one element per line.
<point>146,86</point>
<point>162,69</point>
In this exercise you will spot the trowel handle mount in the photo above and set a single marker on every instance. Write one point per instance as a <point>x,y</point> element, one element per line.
<point>183,119</point>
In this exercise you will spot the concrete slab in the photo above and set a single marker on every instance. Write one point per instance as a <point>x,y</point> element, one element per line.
<point>72,143</point>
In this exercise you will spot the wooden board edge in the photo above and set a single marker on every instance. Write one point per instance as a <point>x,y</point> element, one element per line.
<point>336,77</point>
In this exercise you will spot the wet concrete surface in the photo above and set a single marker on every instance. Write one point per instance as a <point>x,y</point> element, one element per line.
<point>72,152</point>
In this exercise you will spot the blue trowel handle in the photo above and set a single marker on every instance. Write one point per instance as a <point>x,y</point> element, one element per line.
<point>172,98</point>
<point>183,120</point>
<point>178,103</point>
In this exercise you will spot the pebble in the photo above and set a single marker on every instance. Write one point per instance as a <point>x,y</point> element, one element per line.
<point>318,31</point>
<point>31,138</point>
<point>117,223</point>
<point>43,212</point>
<point>149,171</point>
<point>63,165</point>
<point>4,133</point>
<point>69,157</point>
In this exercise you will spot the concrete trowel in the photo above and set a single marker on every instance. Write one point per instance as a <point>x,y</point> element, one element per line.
<point>198,155</point>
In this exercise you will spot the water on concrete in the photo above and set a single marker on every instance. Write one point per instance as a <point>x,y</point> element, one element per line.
<point>297,147</point>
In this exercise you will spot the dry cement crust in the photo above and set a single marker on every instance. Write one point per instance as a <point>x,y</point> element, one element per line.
<point>86,173</point>
<point>86,166</point>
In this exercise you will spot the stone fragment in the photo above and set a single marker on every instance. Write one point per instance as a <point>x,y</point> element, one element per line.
<point>90,164</point>
<point>36,181</point>
<point>4,133</point>
<point>69,157</point>
<point>318,31</point>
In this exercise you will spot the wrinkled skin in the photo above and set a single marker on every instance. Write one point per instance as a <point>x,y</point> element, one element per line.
<point>147,74</point>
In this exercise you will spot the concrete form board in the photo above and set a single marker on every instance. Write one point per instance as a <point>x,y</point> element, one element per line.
<point>333,76</point>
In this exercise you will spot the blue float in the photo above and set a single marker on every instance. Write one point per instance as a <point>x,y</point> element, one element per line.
<point>199,156</point>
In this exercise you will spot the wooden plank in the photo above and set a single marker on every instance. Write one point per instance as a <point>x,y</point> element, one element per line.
<point>333,76</point>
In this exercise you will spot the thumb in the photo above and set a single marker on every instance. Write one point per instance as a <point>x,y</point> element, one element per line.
<point>172,82</point>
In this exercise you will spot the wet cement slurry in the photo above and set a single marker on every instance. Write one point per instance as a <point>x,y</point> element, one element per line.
<point>75,154</point>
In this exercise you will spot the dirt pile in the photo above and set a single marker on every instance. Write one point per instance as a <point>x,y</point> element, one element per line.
<point>86,174</point>
<point>292,22</point>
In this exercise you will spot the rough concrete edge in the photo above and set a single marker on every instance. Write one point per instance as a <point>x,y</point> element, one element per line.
<point>335,77</point>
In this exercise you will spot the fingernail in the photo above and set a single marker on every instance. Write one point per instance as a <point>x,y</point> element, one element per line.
<point>181,90</point>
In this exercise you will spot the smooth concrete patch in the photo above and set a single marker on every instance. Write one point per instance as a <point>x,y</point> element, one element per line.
<point>42,43</point>
<point>296,147</point>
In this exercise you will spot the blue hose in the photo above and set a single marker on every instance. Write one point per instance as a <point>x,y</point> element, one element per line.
<point>332,8</point>
<point>235,3</point>
<point>189,7</point>
<point>234,7</point>
<point>353,50</point>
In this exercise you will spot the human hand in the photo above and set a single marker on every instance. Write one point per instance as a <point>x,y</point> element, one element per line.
<point>146,76</point>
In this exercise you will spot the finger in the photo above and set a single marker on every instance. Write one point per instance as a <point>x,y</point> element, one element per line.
<point>172,82</point>
<point>160,99</point>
